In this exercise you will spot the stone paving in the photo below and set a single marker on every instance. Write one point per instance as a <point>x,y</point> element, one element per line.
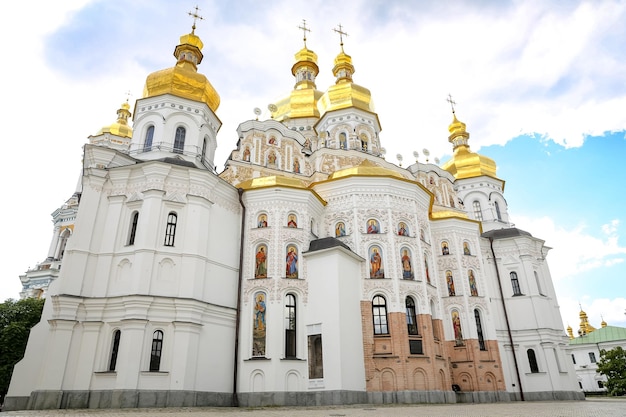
<point>596,407</point>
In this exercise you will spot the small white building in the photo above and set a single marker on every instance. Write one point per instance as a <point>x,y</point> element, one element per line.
<point>585,351</point>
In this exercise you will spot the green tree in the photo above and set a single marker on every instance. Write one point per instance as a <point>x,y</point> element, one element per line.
<point>16,320</point>
<point>612,364</point>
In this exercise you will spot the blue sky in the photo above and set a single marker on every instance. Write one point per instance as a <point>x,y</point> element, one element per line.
<point>541,86</point>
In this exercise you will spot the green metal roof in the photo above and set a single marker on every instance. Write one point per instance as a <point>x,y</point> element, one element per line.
<point>603,334</point>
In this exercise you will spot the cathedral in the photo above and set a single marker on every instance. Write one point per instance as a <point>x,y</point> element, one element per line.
<point>310,271</point>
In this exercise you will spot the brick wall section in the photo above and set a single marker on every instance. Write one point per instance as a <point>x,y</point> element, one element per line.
<point>389,365</point>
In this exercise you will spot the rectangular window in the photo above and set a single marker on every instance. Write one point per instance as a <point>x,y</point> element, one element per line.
<point>415,347</point>
<point>573,359</point>
<point>592,357</point>
<point>316,358</point>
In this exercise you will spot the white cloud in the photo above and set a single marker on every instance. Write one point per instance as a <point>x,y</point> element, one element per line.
<point>574,250</point>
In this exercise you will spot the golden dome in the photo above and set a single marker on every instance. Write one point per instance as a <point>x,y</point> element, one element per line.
<point>367,169</point>
<point>585,327</point>
<point>465,163</point>
<point>120,127</point>
<point>272,181</point>
<point>302,101</point>
<point>345,93</point>
<point>183,79</point>
<point>570,332</point>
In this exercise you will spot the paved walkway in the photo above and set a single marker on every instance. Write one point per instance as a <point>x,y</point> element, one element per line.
<point>597,407</point>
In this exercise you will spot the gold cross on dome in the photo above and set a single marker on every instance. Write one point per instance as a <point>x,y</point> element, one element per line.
<point>304,30</point>
<point>341,35</point>
<point>195,16</point>
<point>452,102</point>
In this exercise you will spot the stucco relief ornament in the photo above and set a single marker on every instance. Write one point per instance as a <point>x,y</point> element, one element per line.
<point>470,262</point>
<point>446,262</point>
<point>301,285</point>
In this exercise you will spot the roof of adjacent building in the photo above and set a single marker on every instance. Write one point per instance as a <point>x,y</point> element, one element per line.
<point>604,334</point>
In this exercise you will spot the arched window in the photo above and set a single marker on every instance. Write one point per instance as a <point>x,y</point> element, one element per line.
<point>155,352</point>
<point>133,228</point>
<point>411,317</point>
<point>532,361</point>
<point>539,289</point>
<point>478,212</point>
<point>290,326</point>
<point>147,143</point>
<point>515,284</point>
<point>379,313</point>
<point>62,243</point>
<point>433,317</point>
<point>343,142</point>
<point>479,330</point>
<point>170,229</point>
<point>204,145</point>
<point>115,346</point>
<point>179,139</point>
<point>497,206</point>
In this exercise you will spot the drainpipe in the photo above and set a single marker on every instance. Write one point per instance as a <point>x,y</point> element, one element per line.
<point>506,318</point>
<point>239,285</point>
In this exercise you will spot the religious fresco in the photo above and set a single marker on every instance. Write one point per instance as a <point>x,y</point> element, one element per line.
<point>426,269</point>
<point>292,221</point>
<point>373,226</point>
<point>291,262</point>
<point>466,249</point>
<point>407,265</point>
<point>246,154</point>
<point>260,264</point>
<point>450,283</point>
<point>472,283</point>
<point>262,220</point>
<point>445,250</point>
<point>259,329</point>
<point>296,166</point>
<point>271,158</point>
<point>376,262</point>
<point>456,325</point>
<point>403,229</point>
<point>340,229</point>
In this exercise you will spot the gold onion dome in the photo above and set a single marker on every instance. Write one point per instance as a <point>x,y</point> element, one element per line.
<point>465,163</point>
<point>183,79</point>
<point>345,93</point>
<point>366,169</point>
<point>120,127</point>
<point>302,101</point>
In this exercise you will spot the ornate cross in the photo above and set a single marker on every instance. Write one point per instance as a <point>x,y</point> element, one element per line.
<point>195,16</point>
<point>304,30</point>
<point>452,102</point>
<point>341,35</point>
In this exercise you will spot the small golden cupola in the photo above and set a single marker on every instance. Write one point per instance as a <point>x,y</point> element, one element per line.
<point>302,101</point>
<point>183,79</point>
<point>465,163</point>
<point>344,93</point>
<point>120,127</point>
<point>585,327</point>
